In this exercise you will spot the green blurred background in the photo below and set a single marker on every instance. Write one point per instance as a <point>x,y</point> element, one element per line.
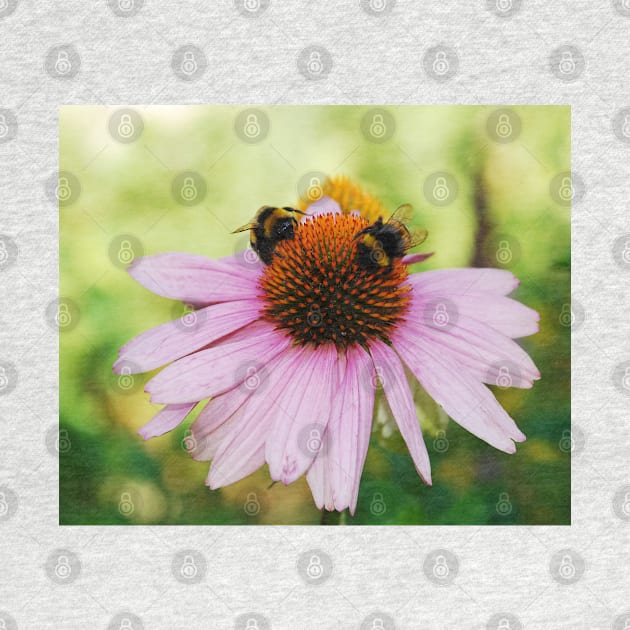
<point>505,185</point>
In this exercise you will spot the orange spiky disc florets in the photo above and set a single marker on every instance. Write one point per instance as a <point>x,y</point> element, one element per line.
<point>315,289</point>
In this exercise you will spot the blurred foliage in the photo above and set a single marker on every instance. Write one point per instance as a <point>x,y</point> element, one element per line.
<point>108,475</point>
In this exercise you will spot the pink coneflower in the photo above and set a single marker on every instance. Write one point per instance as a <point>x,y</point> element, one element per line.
<point>291,353</point>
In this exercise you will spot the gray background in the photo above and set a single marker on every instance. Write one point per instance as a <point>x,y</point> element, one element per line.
<point>371,52</point>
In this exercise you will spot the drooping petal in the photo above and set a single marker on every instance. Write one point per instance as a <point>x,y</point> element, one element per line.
<point>220,368</point>
<point>165,420</point>
<point>348,433</point>
<point>480,349</point>
<point>176,339</point>
<point>400,400</point>
<point>495,281</point>
<point>196,279</point>
<point>324,205</point>
<point>303,409</point>
<point>241,449</point>
<point>469,402</point>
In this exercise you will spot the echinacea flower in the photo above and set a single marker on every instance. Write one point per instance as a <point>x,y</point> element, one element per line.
<point>290,353</point>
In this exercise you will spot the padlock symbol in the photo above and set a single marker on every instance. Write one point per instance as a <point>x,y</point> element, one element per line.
<point>440,316</point>
<point>504,379</point>
<point>440,189</point>
<point>4,506</point>
<point>125,252</point>
<point>441,443</point>
<point>4,254</point>
<point>625,128</point>
<point>314,570</point>
<point>125,624</point>
<point>251,624</point>
<point>188,441</point>
<point>63,190</point>
<point>566,191</point>
<point>63,317</point>
<point>504,624</point>
<point>626,253</point>
<point>314,442</point>
<point>315,65</point>
<point>125,5</point>
<point>125,378</point>
<point>378,128</point>
<point>625,506</point>
<point>4,379</point>
<point>189,190</point>
<point>125,126</point>
<point>504,126</point>
<point>440,568</point>
<point>378,378</point>
<point>625,381</point>
<point>314,191</point>
<point>378,5</point>
<point>504,253</point>
<point>567,63</point>
<point>377,624</point>
<point>189,63</point>
<point>440,63</point>
<point>189,316</point>
<point>377,505</point>
<point>252,380</point>
<point>250,256</point>
<point>188,569</point>
<point>566,443</point>
<point>504,507</point>
<point>125,505</point>
<point>567,318</point>
<point>314,317</point>
<point>63,570</point>
<point>252,506</point>
<point>504,5</point>
<point>252,126</point>
<point>62,64</point>
<point>251,5</point>
<point>62,443</point>
<point>4,128</point>
<point>567,569</point>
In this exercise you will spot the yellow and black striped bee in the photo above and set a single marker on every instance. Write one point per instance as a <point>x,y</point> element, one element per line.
<point>270,226</point>
<point>383,242</point>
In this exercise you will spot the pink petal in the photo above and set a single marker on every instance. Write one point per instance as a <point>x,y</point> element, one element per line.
<point>173,340</point>
<point>324,205</point>
<point>241,448</point>
<point>165,420</point>
<point>349,428</point>
<point>398,394</point>
<point>496,281</point>
<point>481,349</point>
<point>303,407</point>
<point>196,279</point>
<point>319,481</point>
<point>410,259</point>
<point>214,422</point>
<point>470,403</point>
<point>220,368</point>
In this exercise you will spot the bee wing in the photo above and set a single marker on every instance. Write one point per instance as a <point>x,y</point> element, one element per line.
<point>417,235</point>
<point>402,214</point>
<point>244,228</point>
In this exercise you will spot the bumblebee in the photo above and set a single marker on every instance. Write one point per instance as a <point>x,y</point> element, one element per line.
<point>269,227</point>
<point>381,243</point>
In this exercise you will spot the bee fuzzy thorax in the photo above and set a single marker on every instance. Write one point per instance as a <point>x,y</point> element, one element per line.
<point>319,292</point>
